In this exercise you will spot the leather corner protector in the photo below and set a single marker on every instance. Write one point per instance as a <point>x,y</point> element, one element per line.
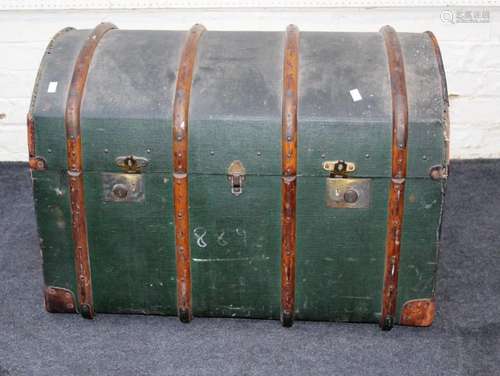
<point>59,300</point>
<point>418,312</point>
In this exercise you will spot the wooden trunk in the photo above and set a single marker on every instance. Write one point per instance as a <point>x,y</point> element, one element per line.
<point>293,175</point>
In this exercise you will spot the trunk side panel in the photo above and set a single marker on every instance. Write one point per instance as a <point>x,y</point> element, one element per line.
<point>52,207</point>
<point>49,108</point>
<point>423,197</point>
<point>425,105</point>
<point>419,244</point>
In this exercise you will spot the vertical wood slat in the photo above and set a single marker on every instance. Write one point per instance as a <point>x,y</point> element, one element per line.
<point>397,187</point>
<point>36,163</point>
<point>75,170</point>
<point>180,151</point>
<point>289,174</point>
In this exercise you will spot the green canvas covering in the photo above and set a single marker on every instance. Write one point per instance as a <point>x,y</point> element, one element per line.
<point>235,114</point>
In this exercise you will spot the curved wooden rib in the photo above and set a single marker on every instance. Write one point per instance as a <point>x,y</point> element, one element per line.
<point>180,168</point>
<point>289,173</point>
<point>397,188</point>
<point>428,311</point>
<point>74,149</point>
<point>444,91</point>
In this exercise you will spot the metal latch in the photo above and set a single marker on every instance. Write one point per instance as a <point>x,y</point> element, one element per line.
<point>236,176</point>
<point>339,168</point>
<point>131,164</point>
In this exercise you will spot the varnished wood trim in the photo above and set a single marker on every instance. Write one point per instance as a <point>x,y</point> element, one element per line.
<point>36,163</point>
<point>75,173</point>
<point>418,312</point>
<point>180,168</point>
<point>440,65</point>
<point>289,172</point>
<point>397,186</point>
<point>59,300</point>
<point>31,137</point>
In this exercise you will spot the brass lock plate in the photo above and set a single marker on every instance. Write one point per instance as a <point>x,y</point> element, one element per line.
<point>123,187</point>
<point>348,193</point>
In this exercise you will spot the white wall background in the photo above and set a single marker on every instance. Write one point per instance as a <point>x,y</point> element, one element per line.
<point>471,51</point>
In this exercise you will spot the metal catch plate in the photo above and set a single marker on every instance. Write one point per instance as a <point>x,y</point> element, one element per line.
<point>348,193</point>
<point>131,163</point>
<point>123,187</point>
<point>236,175</point>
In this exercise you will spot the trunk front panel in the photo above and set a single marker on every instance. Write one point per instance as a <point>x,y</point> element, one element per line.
<point>340,254</point>
<point>132,258</point>
<point>235,247</point>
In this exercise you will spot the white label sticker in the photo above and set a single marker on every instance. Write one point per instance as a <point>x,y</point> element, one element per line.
<point>356,95</point>
<point>52,87</point>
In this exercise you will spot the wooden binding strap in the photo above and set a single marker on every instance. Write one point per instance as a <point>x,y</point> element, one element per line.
<point>36,163</point>
<point>75,170</point>
<point>444,91</point>
<point>289,173</point>
<point>397,188</point>
<point>180,168</point>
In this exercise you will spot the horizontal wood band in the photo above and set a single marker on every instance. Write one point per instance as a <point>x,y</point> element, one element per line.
<point>75,173</point>
<point>397,185</point>
<point>289,172</point>
<point>180,168</point>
